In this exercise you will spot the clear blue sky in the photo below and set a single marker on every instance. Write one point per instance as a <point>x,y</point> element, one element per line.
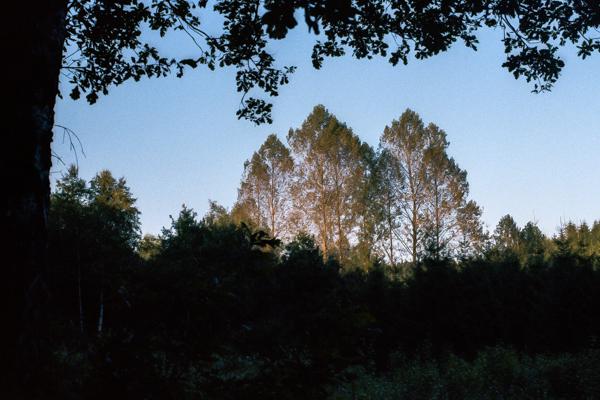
<point>178,141</point>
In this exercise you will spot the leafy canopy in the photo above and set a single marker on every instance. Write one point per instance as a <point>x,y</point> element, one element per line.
<point>106,43</point>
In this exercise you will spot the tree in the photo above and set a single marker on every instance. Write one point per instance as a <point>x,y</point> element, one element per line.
<point>364,252</point>
<point>581,240</point>
<point>407,142</point>
<point>330,175</point>
<point>431,209</point>
<point>113,203</point>
<point>595,238</point>
<point>387,186</point>
<point>473,239</point>
<point>533,244</point>
<point>68,235</point>
<point>94,231</point>
<point>100,44</point>
<point>446,196</point>
<point>117,232</point>
<point>507,236</point>
<point>264,194</point>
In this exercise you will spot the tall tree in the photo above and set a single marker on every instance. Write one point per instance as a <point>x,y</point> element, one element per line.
<point>114,203</point>
<point>117,220</point>
<point>364,252</point>
<point>413,146</point>
<point>595,238</point>
<point>533,244</point>
<point>265,191</point>
<point>448,217</point>
<point>473,240</point>
<point>430,189</point>
<point>386,204</point>
<point>94,231</point>
<point>330,174</point>
<point>507,235</point>
<point>408,142</point>
<point>69,236</point>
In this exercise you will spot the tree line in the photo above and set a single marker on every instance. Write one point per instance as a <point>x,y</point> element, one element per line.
<point>217,307</point>
<point>404,201</point>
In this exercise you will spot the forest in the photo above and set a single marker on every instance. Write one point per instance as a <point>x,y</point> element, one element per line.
<point>343,271</point>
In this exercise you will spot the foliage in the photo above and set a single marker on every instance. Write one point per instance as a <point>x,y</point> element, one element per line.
<point>330,173</point>
<point>264,194</point>
<point>93,234</point>
<point>106,44</point>
<point>494,373</point>
<point>212,308</point>
<point>408,200</point>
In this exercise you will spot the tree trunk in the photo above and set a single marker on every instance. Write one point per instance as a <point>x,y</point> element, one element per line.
<point>32,36</point>
<point>414,234</point>
<point>390,231</point>
<point>101,313</point>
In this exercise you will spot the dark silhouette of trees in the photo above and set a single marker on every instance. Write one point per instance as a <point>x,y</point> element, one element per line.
<point>506,238</point>
<point>94,232</point>
<point>100,44</point>
<point>213,308</point>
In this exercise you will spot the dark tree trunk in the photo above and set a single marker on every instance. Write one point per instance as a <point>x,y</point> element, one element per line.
<point>32,35</point>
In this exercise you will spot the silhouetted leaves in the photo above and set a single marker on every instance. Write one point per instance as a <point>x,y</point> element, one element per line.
<point>106,45</point>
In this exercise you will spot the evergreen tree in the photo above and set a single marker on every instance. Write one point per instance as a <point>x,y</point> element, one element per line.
<point>473,240</point>
<point>532,244</point>
<point>507,236</point>
<point>113,202</point>
<point>94,232</point>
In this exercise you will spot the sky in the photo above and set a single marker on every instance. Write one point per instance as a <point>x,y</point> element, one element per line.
<point>178,141</point>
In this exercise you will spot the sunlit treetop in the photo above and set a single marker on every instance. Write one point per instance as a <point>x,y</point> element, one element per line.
<point>105,45</point>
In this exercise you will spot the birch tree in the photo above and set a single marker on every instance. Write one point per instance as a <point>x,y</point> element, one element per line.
<point>448,216</point>
<point>330,174</point>
<point>387,186</point>
<point>428,189</point>
<point>265,191</point>
<point>407,142</point>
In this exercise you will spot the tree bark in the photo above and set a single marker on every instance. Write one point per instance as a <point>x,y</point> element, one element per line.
<point>390,229</point>
<point>33,34</point>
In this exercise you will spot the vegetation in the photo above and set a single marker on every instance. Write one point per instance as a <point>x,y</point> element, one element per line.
<point>404,201</point>
<point>95,45</point>
<point>216,307</point>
